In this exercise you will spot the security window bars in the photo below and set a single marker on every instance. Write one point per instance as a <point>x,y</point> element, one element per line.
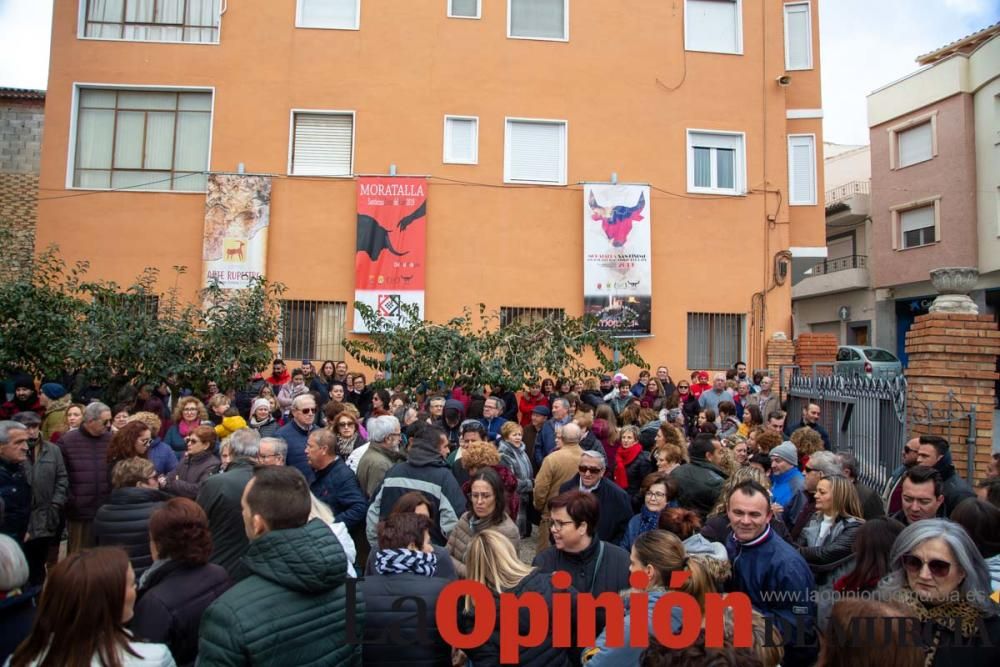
<point>142,139</point>
<point>714,340</point>
<point>194,21</point>
<point>312,329</point>
<point>137,306</point>
<point>528,315</point>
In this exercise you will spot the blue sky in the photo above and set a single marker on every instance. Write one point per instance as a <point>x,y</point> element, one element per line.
<point>864,44</point>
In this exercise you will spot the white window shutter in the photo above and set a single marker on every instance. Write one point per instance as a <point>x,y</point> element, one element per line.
<point>712,25</point>
<point>539,19</point>
<point>915,144</point>
<point>461,139</point>
<point>916,218</point>
<point>322,145</point>
<point>328,13</point>
<point>536,151</point>
<point>798,38</point>
<point>801,170</point>
<point>463,8</point>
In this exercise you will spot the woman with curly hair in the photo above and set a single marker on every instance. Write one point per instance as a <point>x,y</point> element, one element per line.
<point>481,455</point>
<point>130,441</point>
<point>159,452</point>
<point>189,414</point>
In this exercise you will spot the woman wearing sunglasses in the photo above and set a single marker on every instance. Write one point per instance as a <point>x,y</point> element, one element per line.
<point>938,574</point>
<point>197,465</point>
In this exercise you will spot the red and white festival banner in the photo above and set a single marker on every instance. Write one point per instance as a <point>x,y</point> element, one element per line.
<point>392,245</point>
<point>617,257</point>
<point>237,217</point>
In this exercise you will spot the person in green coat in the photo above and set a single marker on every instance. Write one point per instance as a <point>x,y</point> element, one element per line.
<point>292,609</point>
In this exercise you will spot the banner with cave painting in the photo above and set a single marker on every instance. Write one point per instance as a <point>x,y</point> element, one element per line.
<point>237,216</point>
<point>617,257</point>
<point>391,247</point>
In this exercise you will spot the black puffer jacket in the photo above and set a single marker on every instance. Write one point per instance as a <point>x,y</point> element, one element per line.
<point>171,601</point>
<point>699,483</point>
<point>388,615</point>
<point>543,655</point>
<point>86,459</point>
<point>124,521</point>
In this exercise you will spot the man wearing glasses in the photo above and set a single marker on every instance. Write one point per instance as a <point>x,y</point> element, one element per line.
<point>296,433</point>
<point>892,495</point>
<point>85,452</point>
<point>616,508</point>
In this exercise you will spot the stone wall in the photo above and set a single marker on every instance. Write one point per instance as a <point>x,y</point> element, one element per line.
<point>22,115</point>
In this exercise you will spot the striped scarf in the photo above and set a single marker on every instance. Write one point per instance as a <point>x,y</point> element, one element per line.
<point>402,561</point>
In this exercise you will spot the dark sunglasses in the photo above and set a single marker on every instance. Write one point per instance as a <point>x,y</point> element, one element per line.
<point>307,411</point>
<point>592,471</point>
<point>343,424</point>
<point>913,565</point>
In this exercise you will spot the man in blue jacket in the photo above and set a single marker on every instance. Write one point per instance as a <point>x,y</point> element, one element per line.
<point>545,443</point>
<point>771,572</point>
<point>334,483</point>
<point>296,433</point>
<point>492,421</point>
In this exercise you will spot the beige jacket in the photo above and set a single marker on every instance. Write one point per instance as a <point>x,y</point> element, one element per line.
<point>557,469</point>
<point>460,538</point>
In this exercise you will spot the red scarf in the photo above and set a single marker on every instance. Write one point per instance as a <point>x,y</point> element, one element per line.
<point>626,455</point>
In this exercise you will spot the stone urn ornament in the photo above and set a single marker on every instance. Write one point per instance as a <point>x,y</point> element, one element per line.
<point>953,285</point>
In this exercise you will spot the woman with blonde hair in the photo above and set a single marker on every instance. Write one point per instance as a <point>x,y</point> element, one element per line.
<point>492,561</point>
<point>668,456</point>
<point>827,541</point>
<point>189,414</point>
<point>657,554</point>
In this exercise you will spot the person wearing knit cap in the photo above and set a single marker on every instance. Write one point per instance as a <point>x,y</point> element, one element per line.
<point>25,399</point>
<point>786,479</point>
<point>56,401</point>
<point>262,418</point>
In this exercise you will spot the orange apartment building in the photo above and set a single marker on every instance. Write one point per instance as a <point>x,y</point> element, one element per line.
<point>507,106</point>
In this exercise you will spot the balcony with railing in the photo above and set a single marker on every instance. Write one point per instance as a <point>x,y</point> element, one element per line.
<point>830,276</point>
<point>848,204</point>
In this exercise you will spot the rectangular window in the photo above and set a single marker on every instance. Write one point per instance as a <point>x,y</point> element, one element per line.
<point>312,329</point>
<point>798,36</point>
<point>716,163</point>
<point>915,144</point>
<point>538,19</point>
<point>801,169</point>
<point>535,152</point>
<point>461,139</point>
<point>528,314</point>
<point>142,139</point>
<point>917,226</point>
<point>713,25</point>
<point>322,144</point>
<point>135,305</point>
<point>463,9</point>
<point>194,21</point>
<point>714,340</point>
<point>330,14</point>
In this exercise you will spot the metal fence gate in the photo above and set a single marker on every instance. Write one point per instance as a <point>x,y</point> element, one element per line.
<point>955,422</point>
<point>862,415</point>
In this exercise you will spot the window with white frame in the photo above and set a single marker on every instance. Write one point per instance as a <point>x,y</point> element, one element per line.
<point>801,169</point>
<point>331,14</point>
<point>195,21</point>
<point>713,25</point>
<point>917,226</point>
<point>798,36</point>
<point>322,143</point>
<point>538,19</point>
<point>535,151</point>
<point>915,144</point>
<point>464,9</point>
<point>716,162</point>
<point>142,139</point>
<point>461,139</point>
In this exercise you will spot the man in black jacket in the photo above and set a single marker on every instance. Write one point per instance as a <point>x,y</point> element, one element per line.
<point>933,451</point>
<point>700,481</point>
<point>810,418</point>
<point>220,497</point>
<point>616,509</point>
<point>15,490</point>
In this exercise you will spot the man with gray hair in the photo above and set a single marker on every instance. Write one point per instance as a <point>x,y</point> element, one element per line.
<point>272,452</point>
<point>85,452</point>
<point>545,443</point>
<point>709,400</point>
<point>616,508</point>
<point>492,421</point>
<point>383,452</point>
<point>296,433</point>
<point>15,490</point>
<point>557,468</point>
<point>803,504</point>
<point>220,497</point>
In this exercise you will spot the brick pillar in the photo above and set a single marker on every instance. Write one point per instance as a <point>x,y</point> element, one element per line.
<point>812,348</point>
<point>957,353</point>
<point>780,352</point>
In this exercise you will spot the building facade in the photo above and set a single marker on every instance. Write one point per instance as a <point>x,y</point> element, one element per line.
<point>935,164</point>
<point>507,107</point>
<point>22,117</point>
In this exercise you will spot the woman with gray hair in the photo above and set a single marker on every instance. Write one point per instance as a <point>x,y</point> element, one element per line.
<point>938,573</point>
<point>17,601</point>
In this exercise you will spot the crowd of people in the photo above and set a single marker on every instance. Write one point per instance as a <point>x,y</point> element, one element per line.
<point>315,518</point>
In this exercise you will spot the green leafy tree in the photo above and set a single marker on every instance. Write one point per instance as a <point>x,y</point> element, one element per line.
<point>475,351</point>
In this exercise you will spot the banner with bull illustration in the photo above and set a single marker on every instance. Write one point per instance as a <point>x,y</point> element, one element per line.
<point>617,257</point>
<point>237,216</point>
<point>391,250</point>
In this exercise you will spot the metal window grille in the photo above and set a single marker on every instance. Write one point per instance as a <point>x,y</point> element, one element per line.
<point>137,305</point>
<point>714,340</point>
<point>312,329</point>
<point>528,314</point>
